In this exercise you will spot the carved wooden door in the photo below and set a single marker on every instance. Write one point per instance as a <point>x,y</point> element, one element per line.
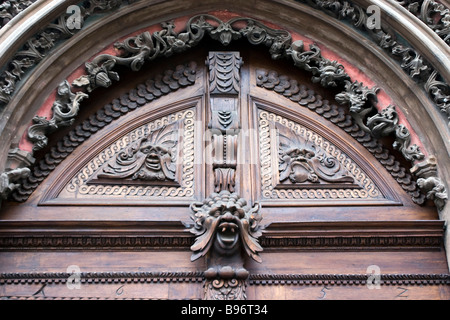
<point>229,176</point>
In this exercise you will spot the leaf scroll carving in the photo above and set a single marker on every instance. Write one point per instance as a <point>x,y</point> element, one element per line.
<point>151,158</point>
<point>302,161</point>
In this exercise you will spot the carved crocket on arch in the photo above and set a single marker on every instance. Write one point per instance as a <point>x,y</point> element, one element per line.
<point>225,227</point>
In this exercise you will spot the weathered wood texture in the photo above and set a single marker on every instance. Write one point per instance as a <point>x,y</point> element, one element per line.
<point>134,246</point>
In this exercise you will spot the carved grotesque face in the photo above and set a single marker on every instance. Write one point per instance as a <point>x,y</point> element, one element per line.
<point>298,168</point>
<point>149,158</point>
<point>154,154</point>
<point>224,222</point>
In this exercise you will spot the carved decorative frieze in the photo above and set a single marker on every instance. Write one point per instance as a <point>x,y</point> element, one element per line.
<point>361,102</point>
<point>360,98</point>
<point>43,42</point>
<point>434,14</point>
<point>226,231</point>
<point>348,279</point>
<point>101,277</point>
<point>10,9</point>
<point>314,167</point>
<point>65,109</point>
<point>148,46</point>
<point>326,72</point>
<point>148,155</point>
<point>148,237</point>
<point>152,157</point>
<point>170,81</point>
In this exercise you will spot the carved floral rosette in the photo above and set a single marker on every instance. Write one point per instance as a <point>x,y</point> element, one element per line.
<point>128,168</point>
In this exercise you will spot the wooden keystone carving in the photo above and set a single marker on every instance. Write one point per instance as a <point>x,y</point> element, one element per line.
<point>226,227</point>
<point>227,230</point>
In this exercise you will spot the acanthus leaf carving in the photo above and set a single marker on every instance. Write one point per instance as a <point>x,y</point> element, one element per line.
<point>429,182</point>
<point>152,157</point>
<point>302,161</point>
<point>65,108</point>
<point>326,72</point>
<point>361,101</point>
<point>440,93</point>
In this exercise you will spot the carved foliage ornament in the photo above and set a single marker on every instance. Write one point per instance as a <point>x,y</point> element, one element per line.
<point>360,99</point>
<point>152,157</point>
<point>65,109</point>
<point>301,161</point>
<point>40,45</point>
<point>146,46</point>
<point>434,14</point>
<point>223,224</point>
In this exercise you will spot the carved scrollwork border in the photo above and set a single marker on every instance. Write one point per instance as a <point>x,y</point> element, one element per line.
<point>340,117</point>
<point>136,50</point>
<point>78,184</point>
<point>152,89</point>
<point>368,189</point>
<point>410,60</point>
<point>197,277</point>
<point>42,43</point>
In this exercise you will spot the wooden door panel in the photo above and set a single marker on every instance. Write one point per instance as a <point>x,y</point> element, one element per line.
<point>226,184</point>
